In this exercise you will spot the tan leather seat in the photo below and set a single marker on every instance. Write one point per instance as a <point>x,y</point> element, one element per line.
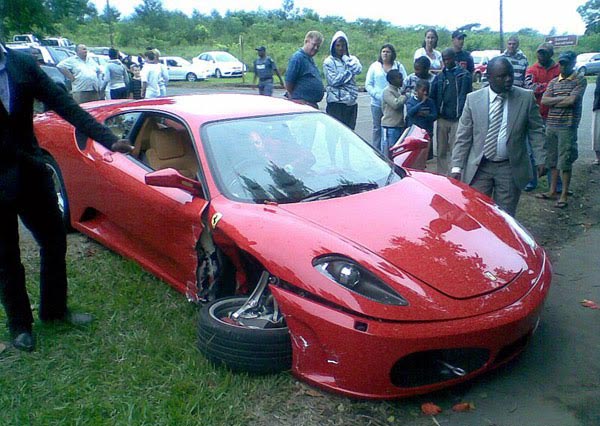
<point>142,141</point>
<point>172,148</point>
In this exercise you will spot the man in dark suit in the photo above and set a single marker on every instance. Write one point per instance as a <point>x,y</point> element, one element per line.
<point>490,152</point>
<point>27,191</point>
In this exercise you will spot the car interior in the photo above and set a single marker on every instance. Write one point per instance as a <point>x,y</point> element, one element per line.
<point>160,143</point>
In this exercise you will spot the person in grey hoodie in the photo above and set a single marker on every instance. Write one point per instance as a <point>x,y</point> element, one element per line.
<point>341,69</point>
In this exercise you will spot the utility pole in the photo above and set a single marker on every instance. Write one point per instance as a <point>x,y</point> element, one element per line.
<point>501,29</point>
<point>110,24</point>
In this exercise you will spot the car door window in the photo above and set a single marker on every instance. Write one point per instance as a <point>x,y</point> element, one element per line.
<point>162,142</point>
<point>123,124</point>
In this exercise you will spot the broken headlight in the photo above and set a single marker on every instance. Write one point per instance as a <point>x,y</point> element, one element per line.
<point>355,278</point>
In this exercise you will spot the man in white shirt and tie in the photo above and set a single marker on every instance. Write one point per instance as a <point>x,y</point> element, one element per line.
<point>490,152</point>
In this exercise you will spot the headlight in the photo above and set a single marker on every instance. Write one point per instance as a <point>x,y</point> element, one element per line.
<point>355,278</point>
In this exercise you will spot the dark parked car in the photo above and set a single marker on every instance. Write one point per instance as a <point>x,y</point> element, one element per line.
<point>42,55</point>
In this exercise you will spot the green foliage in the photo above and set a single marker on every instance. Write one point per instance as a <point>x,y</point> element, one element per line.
<point>590,13</point>
<point>239,32</point>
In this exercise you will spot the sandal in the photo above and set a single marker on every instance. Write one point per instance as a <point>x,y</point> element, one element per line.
<point>544,196</point>
<point>561,204</point>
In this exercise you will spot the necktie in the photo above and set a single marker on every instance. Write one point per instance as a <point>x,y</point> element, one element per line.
<point>491,140</point>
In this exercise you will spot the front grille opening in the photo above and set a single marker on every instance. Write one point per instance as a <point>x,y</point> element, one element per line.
<point>509,351</point>
<point>435,366</point>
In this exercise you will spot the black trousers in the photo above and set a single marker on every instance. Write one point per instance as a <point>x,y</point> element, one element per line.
<point>347,114</point>
<point>36,205</point>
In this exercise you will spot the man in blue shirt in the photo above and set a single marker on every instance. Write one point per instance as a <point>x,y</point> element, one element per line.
<point>302,80</point>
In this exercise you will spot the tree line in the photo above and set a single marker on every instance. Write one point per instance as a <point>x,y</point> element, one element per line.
<point>281,30</point>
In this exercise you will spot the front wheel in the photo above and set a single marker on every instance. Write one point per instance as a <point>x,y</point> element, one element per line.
<point>477,77</point>
<point>582,70</point>
<point>218,73</point>
<point>251,342</point>
<point>59,188</point>
<point>191,76</point>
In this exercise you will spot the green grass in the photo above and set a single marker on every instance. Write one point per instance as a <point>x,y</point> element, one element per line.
<point>137,364</point>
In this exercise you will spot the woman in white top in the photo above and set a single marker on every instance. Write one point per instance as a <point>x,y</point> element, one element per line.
<point>428,49</point>
<point>376,83</point>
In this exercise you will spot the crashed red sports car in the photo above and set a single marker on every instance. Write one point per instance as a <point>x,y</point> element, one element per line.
<point>307,248</point>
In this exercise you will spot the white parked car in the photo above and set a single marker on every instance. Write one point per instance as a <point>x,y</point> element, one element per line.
<point>182,69</point>
<point>221,64</point>
<point>58,42</point>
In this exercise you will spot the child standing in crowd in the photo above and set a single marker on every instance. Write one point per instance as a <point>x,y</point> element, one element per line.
<point>421,67</point>
<point>392,122</point>
<point>420,109</point>
<point>135,83</point>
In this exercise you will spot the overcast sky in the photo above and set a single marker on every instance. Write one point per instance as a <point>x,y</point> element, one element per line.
<point>542,15</point>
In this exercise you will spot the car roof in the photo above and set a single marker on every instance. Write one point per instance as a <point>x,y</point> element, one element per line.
<point>202,108</point>
<point>585,56</point>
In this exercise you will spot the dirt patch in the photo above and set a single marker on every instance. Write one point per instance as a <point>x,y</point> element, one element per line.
<point>553,227</point>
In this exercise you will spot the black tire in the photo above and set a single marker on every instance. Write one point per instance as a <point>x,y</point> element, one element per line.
<point>242,349</point>
<point>218,73</point>
<point>582,70</point>
<point>61,192</point>
<point>477,77</point>
<point>191,76</point>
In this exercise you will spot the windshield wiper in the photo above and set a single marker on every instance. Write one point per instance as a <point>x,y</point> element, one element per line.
<point>339,190</point>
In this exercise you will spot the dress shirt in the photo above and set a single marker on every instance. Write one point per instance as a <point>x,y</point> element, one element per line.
<point>4,87</point>
<point>87,73</point>
<point>501,151</point>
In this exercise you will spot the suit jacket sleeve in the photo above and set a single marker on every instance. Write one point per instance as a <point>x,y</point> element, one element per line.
<point>464,136</point>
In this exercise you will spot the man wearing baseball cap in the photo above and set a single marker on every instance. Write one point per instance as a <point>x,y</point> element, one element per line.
<point>264,68</point>
<point>564,97</point>
<point>537,78</point>
<point>462,57</point>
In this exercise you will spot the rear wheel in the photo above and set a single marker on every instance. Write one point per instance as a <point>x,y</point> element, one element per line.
<point>191,76</point>
<point>218,73</point>
<point>59,188</point>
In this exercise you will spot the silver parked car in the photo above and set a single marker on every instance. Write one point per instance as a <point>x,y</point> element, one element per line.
<point>588,63</point>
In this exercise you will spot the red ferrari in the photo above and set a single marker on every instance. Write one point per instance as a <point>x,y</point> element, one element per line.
<point>307,248</point>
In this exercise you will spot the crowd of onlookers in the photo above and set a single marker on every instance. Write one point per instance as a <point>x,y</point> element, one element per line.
<point>521,124</point>
<point>119,78</point>
<point>432,97</point>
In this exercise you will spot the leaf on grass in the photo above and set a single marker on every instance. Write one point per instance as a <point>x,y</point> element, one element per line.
<point>2,347</point>
<point>430,409</point>
<point>589,304</point>
<point>463,406</point>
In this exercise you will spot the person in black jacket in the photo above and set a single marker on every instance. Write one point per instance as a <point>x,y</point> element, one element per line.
<point>27,191</point>
<point>449,91</point>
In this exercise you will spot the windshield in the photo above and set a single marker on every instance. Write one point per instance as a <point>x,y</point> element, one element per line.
<point>225,57</point>
<point>292,158</point>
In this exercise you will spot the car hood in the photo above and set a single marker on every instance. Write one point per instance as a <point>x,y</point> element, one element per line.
<point>456,242</point>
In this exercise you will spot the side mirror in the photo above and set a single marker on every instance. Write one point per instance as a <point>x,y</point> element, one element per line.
<point>411,149</point>
<point>171,178</point>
